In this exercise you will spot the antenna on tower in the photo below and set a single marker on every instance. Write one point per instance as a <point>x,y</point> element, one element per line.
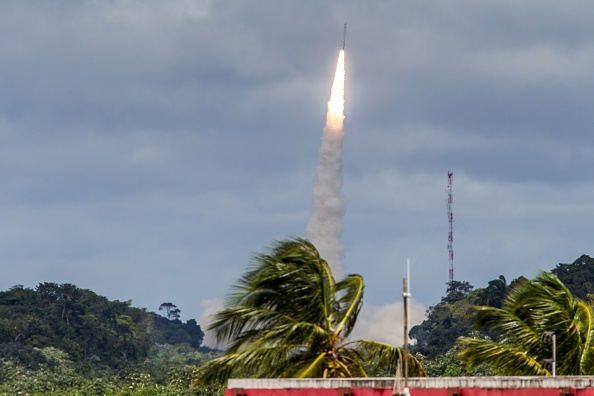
<point>451,224</point>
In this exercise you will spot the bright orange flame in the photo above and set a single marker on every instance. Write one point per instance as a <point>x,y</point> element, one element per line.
<point>336,102</point>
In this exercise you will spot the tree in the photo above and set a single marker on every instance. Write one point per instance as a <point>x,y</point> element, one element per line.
<point>171,311</point>
<point>456,291</point>
<point>169,329</point>
<point>577,276</point>
<point>192,328</point>
<point>288,317</point>
<point>451,318</point>
<point>494,294</point>
<point>530,309</point>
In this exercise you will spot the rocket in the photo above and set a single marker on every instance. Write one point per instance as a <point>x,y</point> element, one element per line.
<point>344,37</point>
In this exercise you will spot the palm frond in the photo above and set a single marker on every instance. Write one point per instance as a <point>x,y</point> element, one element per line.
<point>250,363</point>
<point>292,279</point>
<point>504,359</point>
<point>234,323</point>
<point>514,329</point>
<point>314,369</point>
<point>342,363</point>
<point>386,355</point>
<point>350,301</point>
<point>298,334</point>
<point>585,314</point>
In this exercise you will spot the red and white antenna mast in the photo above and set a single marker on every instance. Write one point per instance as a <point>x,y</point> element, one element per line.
<point>451,223</point>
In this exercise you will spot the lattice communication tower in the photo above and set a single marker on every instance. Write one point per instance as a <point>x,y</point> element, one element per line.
<point>451,224</point>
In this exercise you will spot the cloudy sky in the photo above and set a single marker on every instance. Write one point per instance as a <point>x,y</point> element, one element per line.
<point>148,149</point>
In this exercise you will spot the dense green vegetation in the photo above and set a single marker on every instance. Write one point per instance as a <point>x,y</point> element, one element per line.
<point>577,276</point>
<point>58,339</point>
<point>457,315</point>
<point>531,309</point>
<point>288,317</point>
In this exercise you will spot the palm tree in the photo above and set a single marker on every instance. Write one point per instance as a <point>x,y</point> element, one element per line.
<point>288,317</point>
<point>530,309</point>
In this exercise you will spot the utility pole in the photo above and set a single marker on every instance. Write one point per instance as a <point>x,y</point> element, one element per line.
<point>451,226</point>
<point>402,365</point>
<point>405,297</point>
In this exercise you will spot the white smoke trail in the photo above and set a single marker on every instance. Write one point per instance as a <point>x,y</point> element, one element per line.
<point>325,226</point>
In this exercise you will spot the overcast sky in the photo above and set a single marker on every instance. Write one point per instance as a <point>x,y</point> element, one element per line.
<point>149,148</point>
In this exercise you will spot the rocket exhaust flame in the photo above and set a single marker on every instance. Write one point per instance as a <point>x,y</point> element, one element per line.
<point>325,226</point>
<point>336,102</point>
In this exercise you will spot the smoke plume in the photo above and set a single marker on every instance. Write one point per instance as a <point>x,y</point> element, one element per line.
<point>325,226</point>
<point>208,308</point>
<point>385,323</point>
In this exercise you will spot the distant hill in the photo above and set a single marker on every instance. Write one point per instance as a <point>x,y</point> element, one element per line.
<point>91,329</point>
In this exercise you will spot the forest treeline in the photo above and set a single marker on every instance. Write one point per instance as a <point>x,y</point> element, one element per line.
<point>92,330</point>
<point>59,335</point>
<point>61,339</point>
<point>455,316</point>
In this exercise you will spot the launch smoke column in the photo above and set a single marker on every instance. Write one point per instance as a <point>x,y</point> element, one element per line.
<point>325,226</point>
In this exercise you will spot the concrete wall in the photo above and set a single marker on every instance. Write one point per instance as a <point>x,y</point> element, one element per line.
<point>451,386</point>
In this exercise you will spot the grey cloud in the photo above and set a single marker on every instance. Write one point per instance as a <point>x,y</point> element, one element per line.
<point>147,149</point>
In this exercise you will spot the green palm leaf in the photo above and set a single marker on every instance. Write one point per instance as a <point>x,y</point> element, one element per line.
<point>350,302</point>
<point>504,359</point>
<point>386,355</point>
